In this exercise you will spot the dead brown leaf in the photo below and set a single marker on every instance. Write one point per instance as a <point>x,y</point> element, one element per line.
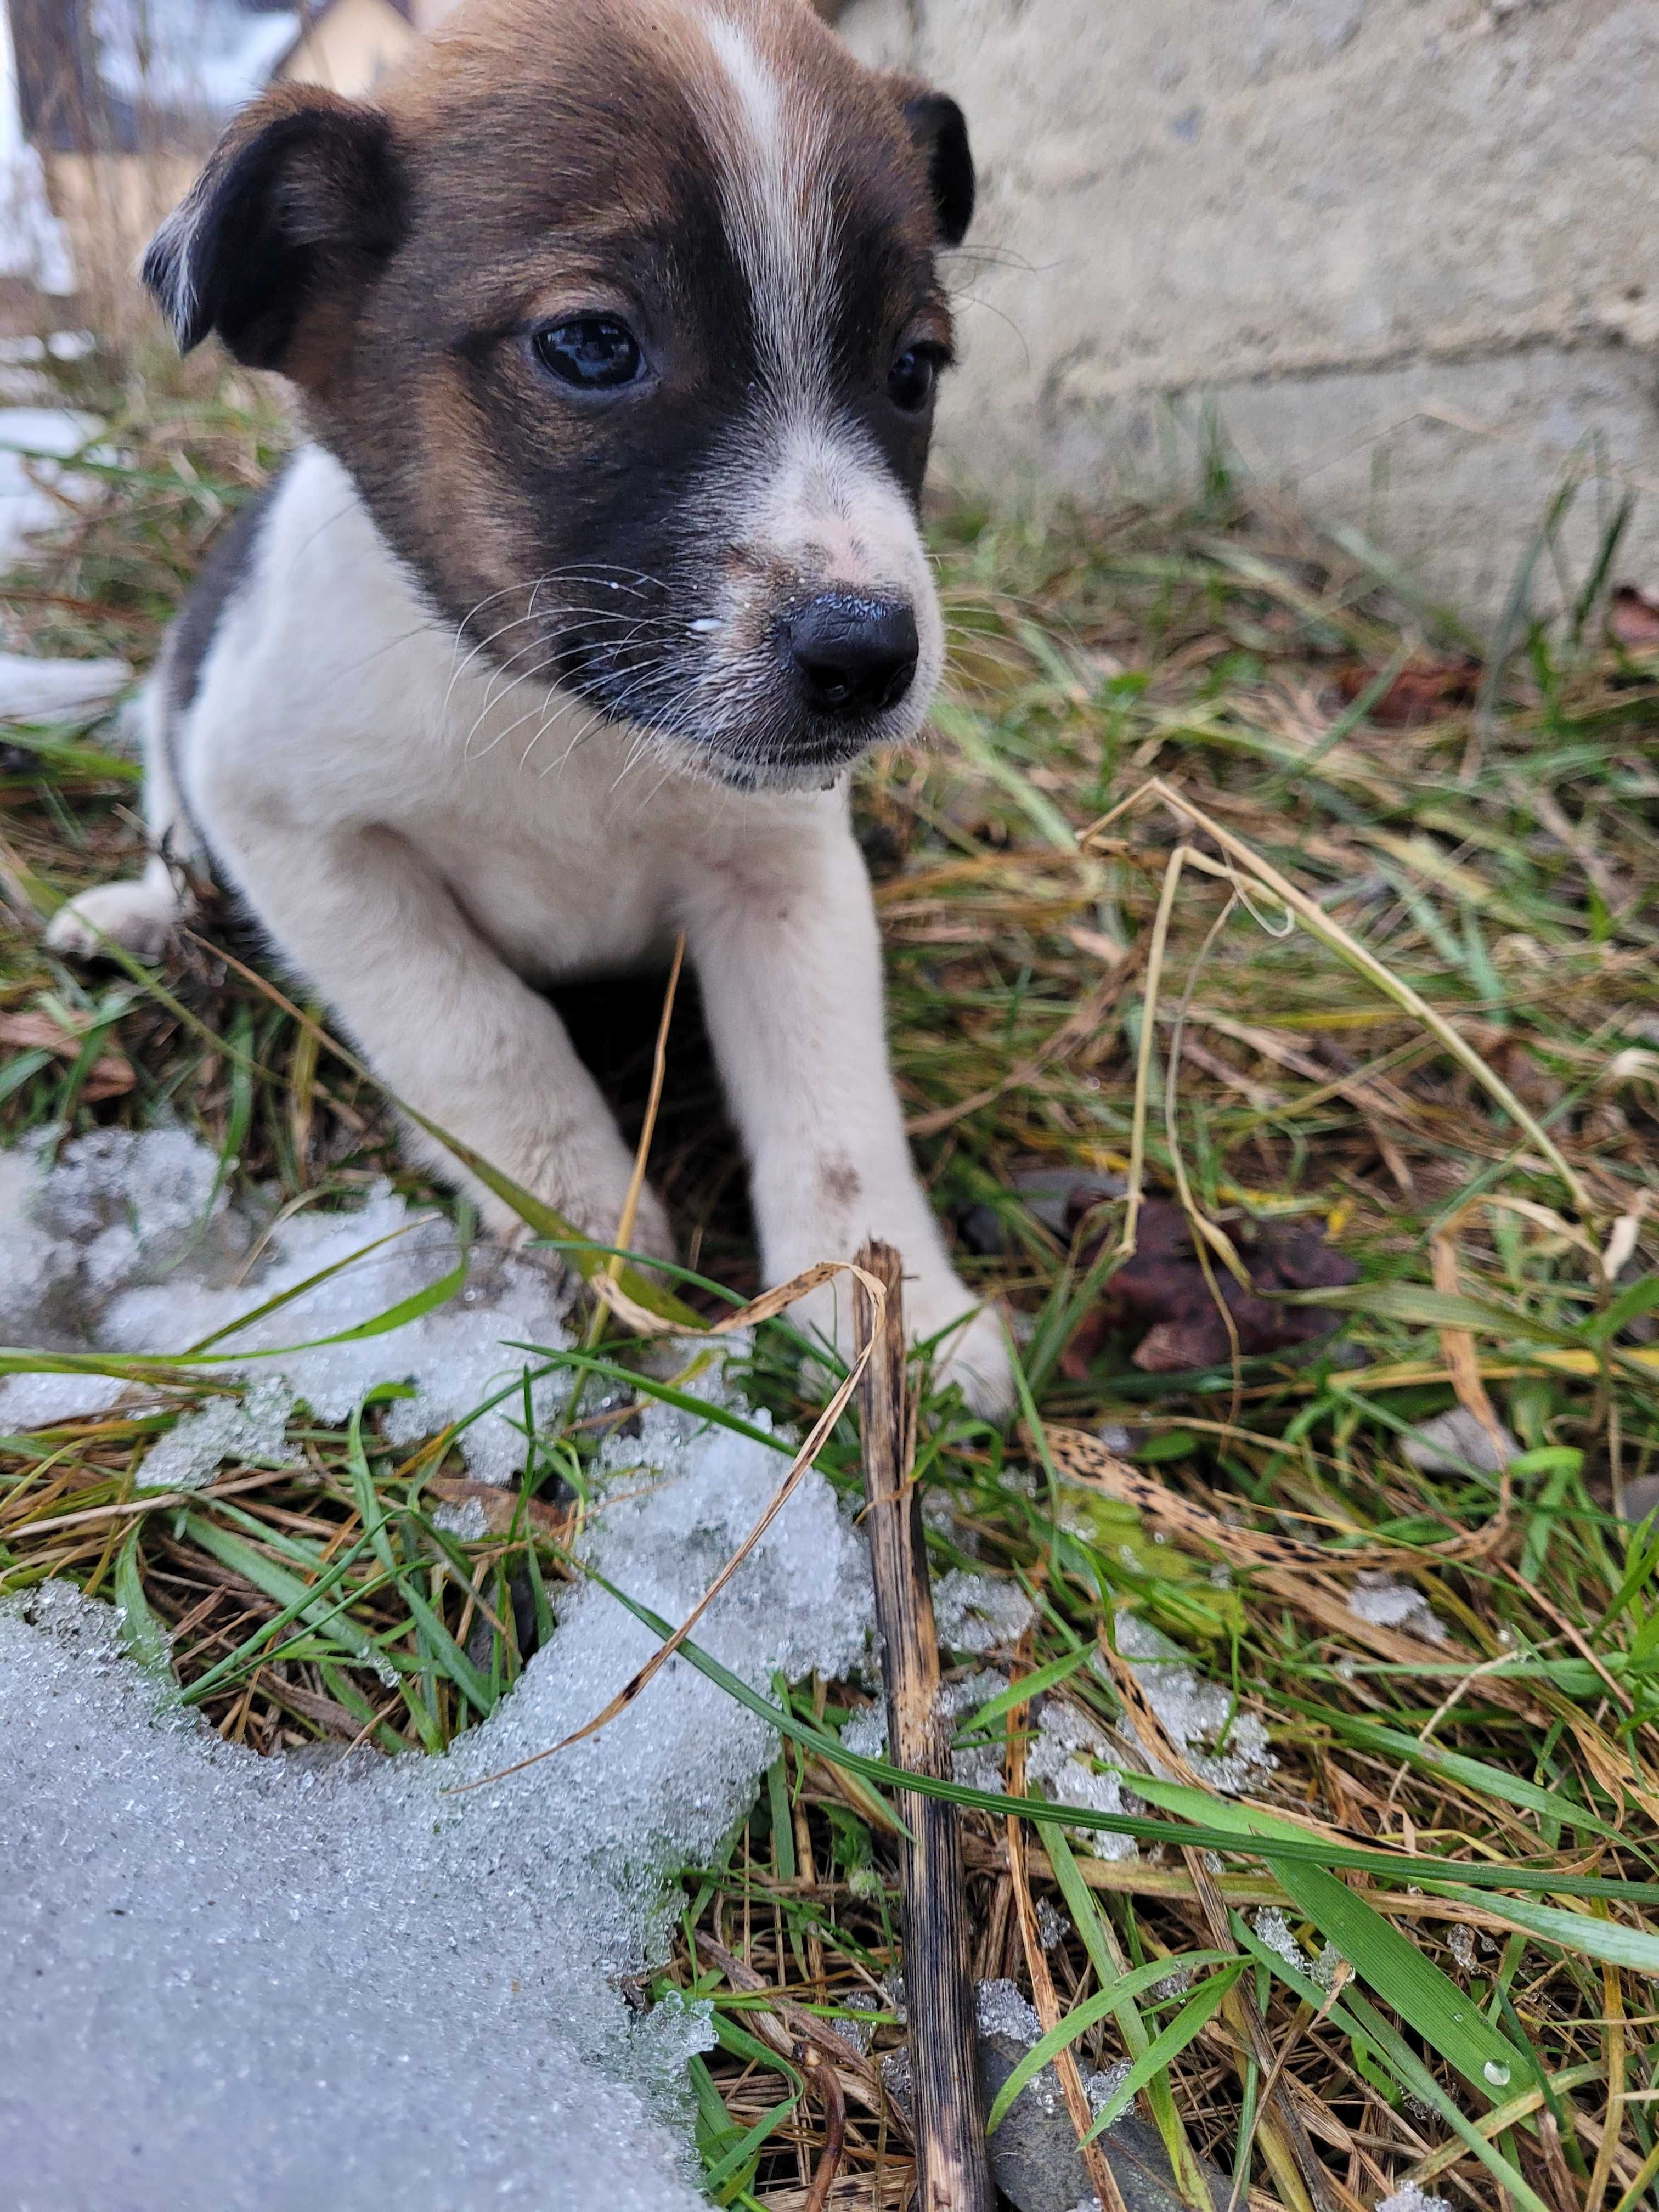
<point>1162,1297</point>
<point>32,1029</point>
<point>1422,692</point>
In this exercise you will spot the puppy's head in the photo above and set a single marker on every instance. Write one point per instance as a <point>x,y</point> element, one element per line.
<point>624,316</point>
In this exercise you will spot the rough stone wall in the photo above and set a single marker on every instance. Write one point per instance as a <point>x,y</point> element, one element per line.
<point>1408,249</point>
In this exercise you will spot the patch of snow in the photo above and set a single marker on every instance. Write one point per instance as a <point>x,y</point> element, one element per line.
<point>1000,2009</point>
<point>468,1520</point>
<point>56,345</point>
<point>1274,1930</point>
<point>130,1243</point>
<point>1052,1923</point>
<point>1194,1713</point>
<point>857,2034</point>
<point>1390,1604</point>
<point>1059,1756</point>
<point>299,1986</point>
<point>1454,1440</point>
<point>251,1430</point>
<point>34,244</point>
<point>35,690</point>
<point>864,1733</point>
<point>898,2077</point>
<point>27,506</point>
<point>975,1765</point>
<point>979,1613</point>
<point>1412,2196</point>
<point>25,387</point>
<point>1100,2088</point>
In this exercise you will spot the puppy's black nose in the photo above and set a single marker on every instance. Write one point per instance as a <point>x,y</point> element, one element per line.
<point>852,655</point>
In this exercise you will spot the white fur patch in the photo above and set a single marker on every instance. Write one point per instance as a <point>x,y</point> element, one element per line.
<point>817,498</point>
<point>828,506</point>
<point>778,212</point>
<point>168,271</point>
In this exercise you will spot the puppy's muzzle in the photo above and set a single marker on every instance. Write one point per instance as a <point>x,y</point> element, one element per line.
<point>851,655</point>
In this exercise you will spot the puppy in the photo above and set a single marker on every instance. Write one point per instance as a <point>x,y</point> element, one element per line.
<point>615,326</point>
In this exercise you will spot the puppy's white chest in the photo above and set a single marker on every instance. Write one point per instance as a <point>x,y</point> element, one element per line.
<point>334,705</point>
<point>553,896</point>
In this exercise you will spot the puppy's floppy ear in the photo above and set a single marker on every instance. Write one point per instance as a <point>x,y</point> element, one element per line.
<point>301,203</point>
<point>939,130</point>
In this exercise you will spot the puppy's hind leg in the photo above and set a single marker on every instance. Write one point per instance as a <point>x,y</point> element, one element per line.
<point>140,915</point>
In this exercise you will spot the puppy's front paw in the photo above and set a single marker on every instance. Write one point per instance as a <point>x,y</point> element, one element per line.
<point>140,917</point>
<point>972,1350</point>
<point>594,1214</point>
<point>974,1353</point>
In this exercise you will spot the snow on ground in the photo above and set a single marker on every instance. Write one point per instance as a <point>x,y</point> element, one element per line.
<point>1062,1756</point>
<point>1224,1746</point>
<point>130,1245</point>
<point>34,244</point>
<point>34,690</point>
<point>1390,1604</point>
<point>239,1984</point>
<point>26,506</point>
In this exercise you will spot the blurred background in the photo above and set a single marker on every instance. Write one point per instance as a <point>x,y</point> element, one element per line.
<point>1400,253</point>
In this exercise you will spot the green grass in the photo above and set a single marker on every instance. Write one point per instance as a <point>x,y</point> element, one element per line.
<point>1447,1052</point>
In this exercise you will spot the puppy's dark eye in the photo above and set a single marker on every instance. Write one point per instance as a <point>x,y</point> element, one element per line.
<point>911,380</point>
<point>596,353</point>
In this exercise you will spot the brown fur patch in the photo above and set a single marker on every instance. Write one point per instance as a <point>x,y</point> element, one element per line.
<point>840,1183</point>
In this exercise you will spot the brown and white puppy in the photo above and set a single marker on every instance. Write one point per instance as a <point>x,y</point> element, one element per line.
<point>616,325</point>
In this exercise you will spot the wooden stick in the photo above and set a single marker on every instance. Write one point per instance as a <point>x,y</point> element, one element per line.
<point>953,2162</point>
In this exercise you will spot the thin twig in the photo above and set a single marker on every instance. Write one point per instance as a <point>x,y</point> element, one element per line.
<point>658,1069</point>
<point>953,2166</point>
<point>826,2081</point>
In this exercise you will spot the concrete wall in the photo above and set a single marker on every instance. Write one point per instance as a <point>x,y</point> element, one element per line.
<point>1410,249</point>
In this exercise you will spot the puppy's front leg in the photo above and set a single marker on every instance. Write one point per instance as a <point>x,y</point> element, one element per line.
<point>444,1021</point>
<point>784,935</point>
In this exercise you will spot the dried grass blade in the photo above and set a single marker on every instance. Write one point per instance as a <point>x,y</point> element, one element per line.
<point>1154,958</point>
<point>1349,948</point>
<point>819,1435</point>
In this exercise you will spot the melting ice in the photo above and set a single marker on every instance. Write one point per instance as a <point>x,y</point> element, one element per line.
<point>238,1985</point>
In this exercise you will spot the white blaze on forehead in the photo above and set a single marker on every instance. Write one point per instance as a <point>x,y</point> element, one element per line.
<point>826,506</point>
<point>773,145</point>
<point>829,504</point>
